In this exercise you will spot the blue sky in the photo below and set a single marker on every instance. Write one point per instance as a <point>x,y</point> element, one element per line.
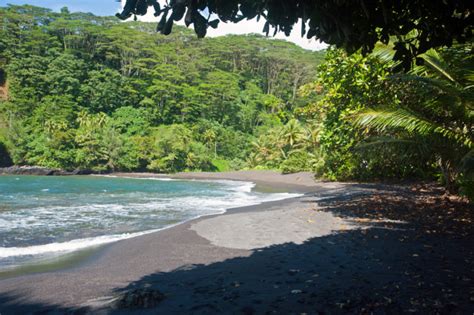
<point>98,7</point>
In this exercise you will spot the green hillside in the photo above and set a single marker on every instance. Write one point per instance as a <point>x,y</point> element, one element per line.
<point>93,92</point>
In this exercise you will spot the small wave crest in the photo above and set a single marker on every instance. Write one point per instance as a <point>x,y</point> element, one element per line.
<point>65,247</point>
<point>163,179</point>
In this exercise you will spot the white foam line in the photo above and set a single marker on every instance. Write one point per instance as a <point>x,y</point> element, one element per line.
<point>78,244</point>
<point>167,179</point>
<point>229,182</point>
<point>65,247</point>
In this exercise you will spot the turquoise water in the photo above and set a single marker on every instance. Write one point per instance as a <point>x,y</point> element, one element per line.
<point>44,217</point>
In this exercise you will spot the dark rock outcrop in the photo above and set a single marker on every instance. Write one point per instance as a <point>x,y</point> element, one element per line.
<point>40,171</point>
<point>139,299</point>
<point>5,159</point>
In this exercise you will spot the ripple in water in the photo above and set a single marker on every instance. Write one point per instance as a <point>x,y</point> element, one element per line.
<point>43,217</point>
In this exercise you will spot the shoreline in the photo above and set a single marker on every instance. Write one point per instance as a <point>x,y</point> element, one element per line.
<point>305,254</point>
<point>76,258</point>
<point>292,183</point>
<point>302,182</point>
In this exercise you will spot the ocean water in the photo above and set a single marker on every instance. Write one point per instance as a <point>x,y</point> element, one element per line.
<point>46,217</point>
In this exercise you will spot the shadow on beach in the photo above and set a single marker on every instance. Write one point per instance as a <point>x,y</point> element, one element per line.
<point>415,254</point>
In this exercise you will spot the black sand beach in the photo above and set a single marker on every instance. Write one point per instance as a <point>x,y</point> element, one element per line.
<point>340,248</point>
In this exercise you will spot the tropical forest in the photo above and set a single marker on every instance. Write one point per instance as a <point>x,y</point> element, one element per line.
<point>88,92</point>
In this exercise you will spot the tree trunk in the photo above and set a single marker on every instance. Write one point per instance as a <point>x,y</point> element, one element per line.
<point>449,175</point>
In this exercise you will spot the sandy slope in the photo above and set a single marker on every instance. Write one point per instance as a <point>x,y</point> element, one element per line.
<point>289,256</point>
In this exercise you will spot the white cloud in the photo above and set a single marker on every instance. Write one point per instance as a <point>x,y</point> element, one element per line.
<point>252,26</point>
<point>247,27</point>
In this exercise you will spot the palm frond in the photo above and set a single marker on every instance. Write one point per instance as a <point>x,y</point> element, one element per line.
<point>379,141</point>
<point>384,52</point>
<point>404,146</point>
<point>440,84</point>
<point>469,76</point>
<point>382,120</point>
<point>435,62</point>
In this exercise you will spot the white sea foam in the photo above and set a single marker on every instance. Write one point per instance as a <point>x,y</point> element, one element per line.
<point>172,208</point>
<point>103,175</point>
<point>245,187</point>
<point>66,247</point>
<point>164,179</point>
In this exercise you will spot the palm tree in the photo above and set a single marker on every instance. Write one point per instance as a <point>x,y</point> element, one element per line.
<point>211,137</point>
<point>292,133</point>
<point>438,116</point>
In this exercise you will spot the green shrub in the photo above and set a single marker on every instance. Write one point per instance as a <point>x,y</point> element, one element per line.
<point>221,165</point>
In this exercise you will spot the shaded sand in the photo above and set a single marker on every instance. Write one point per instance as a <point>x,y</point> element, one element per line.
<point>340,248</point>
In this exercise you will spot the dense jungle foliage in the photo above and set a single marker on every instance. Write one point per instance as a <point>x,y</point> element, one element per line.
<point>93,93</point>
